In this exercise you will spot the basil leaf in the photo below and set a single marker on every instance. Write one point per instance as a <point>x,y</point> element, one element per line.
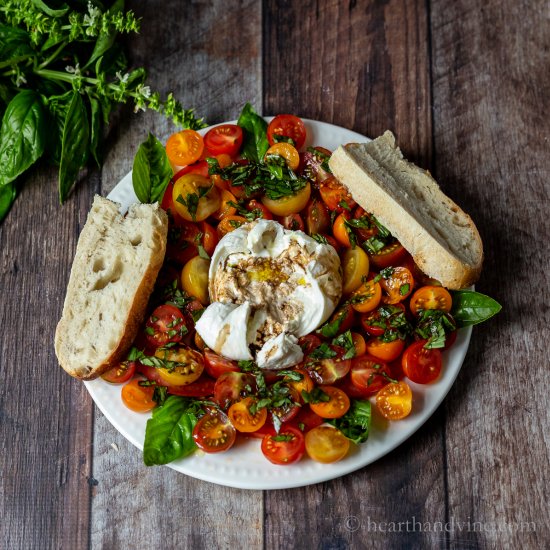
<point>22,135</point>
<point>74,144</point>
<point>7,197</point>
<point>471,308</point>
<point>255,144</point>
<point>355,424</point>
<point>14,46</point>
<point>53,12</point>
<point>152,170</point>
<point>95,129</point>
<point>169,433</point>
<point>57,107</point>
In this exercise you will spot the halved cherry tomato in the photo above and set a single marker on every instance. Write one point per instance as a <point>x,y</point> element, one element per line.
<point>194,278</point>
<point>332,241</point>
<point>365,232</point>
<point>186,236</point>
<point>138,398</point>
<point>231,387</point>
<point>224,139</point>
<point>376,324</point>
<point>341,321</point>
<point>368,374</point>
<point>326,444</point>
<point>289,126</point>
<point>309,342</point>
<point>397,286</point>
<point>392,254</point>
<point>293,222</point>
<point>288,152</point>
<point>166,324</point>
<point>228,224</point>
<point>289,410</point>
<point>431,297</point>
<point>355,264</point>
<point>241,417</point>
<point>327,371</point>
<point>305,384</point>
<point>184,147</point>
<point>195,198</point>
<point>214,432</point>
<point>203,387</point>
<point>341,231</point>
<point>367,297</point>
<point>199,342</point>
<point>216,365</point>
<point>359,344</point>
<point>450,339</point>
<point>394,401</point>
<point>335,195</point>
<point>209,238</point>
<point>259,210</point>
<point>421,365</point>
<point>311,164</point>
<point>386,351</point>
<point>306,419</point>
<point>226,209</point>
<point>186,365</point>
<point>317,217</point>
<point>290,204</point>
<point>286,447</point>
<point>337,405</point>
<point>120,373</point>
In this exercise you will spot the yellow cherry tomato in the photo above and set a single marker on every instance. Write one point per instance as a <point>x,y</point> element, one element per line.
<point>194,278</point>
<point>326,444</point>
<point>289,205</point>
<point>367,297</point>
<point>355,263</point>
<point>242,418</point>
<point>185,147</point>
<point>305,384</point>
<point>195,197</point>
<point>394,401</point>
<point>185,365</point>
<point>288,152</point>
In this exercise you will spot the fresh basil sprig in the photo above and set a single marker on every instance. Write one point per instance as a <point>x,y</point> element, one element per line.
<point>255,144</point>
<point>355,424</point>
<point>471,308</point>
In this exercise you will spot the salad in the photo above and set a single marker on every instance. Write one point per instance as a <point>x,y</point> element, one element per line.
<point>389,327</point>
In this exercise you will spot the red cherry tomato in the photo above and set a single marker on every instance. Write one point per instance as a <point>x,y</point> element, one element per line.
<point>120,373</point>
<point>309,342</point>
<point>214,432</point>
<point>340,321</point>
<point>288,411</point>
<point>335,195</point>
<point>259,210</point>
<point>224,139</point>
<point>421,365</point>
<point>311,164</point>
<point>376,324</point>
<point>306,419</point>
<point>317,217</point>
<point>215,365</point>
<point>327,371</point>
<point>231,387</point>
<point>203,387</point>
<point>369,374</point>
<point>392,254</point>
<point>289,126</point>
<point>293,222</point>
<point>286,447</point>
<point>166,324</point>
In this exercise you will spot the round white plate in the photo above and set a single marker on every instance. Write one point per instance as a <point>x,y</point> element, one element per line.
<point>244,466</point>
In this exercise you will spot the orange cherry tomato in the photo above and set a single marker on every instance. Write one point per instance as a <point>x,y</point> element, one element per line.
<point>226,209</point>
<point>284,448</point>
<point>224,160</point>
<point>335,195</point>
<point>387,351</point>
<point>394,401</point>
<point>305,384</point>
<point>195,197</point>
<point>209,238</point>
<point>241,417</point>
<point>337,405</point>
<point>326,444</point>
<point>431,297</point>
<point>186,365</point>
<point>288,152</point>
<point>359,343</point>
<point>290,204</point>
<point>138,398</point>
<point>184,147</point>
<point>287,126</point>
<point>397,286</point>
<point>341,231</point>
<point>421,365</point>
<point>366,297</point>
<point>228,224</point>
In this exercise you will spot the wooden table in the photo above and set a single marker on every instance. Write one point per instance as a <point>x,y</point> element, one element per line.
<point>463,84</point>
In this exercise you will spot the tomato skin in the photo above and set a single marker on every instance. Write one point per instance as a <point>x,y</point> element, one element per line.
<point>203,387</point>
<point>367,297</point>
<point>224,139</point>
<point>355,264</point>
<point>228,224</point>
<point>288,412</point>
<point>371,322</point>
<point>337,405</point>
<point>392,254</point>
<point>214,433</point>
<point>327,371</point>
<point>241,417</point>
<point>340,231</point>
<point>195,185</point>
<point>189,365</point>
<point>305,384</point>
<point>421,365</point>
<point>385,351</point>
<point>394,401</point>
<point>317,217</point>
<point>398,286</point>
<point>288,152</point>
<point>288,126</point>
<point>138,398</point>
<point>194,279</point>
<point>184,147</point>
<point>309,342</point>
<point>215,365</point>
<point>359,344</point>
<point>335,195</point>
<point>326,444</point>
<point>311,164</point>
<point>288,205</point>
<point>120,373</point>
<point>166,324</point>
<point>230,387</point>
<point>369,374</point>
<point>431,297</point>
<point>293,222</point>
<point>284,452</point>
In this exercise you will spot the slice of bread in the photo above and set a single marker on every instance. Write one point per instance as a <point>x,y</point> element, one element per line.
<point>442,239</point>
<point>115,267</point>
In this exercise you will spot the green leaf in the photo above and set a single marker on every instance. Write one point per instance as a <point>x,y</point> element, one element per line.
<point>355,424</point>
<point>14,46</point>
<point>22,135</point>
<point>471,308</point>
<point>7,197</point>
<point>95,128</point>
<point>169,433</point>
<point>152,170</point>
<point>57,107</point>
<point>255,144</point>
<point>74,145</point>
<point>52,12</point>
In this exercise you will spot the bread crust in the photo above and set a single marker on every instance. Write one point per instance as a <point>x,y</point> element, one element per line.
<point>363,175</point>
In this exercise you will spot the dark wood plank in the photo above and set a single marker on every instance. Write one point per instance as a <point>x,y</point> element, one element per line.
<point>363,65</point>
<point>491,81</point>
<point>45,416</point>
<point>211,61</point>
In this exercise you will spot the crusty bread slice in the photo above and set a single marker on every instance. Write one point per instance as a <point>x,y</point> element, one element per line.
<point>115,267</point>
<point>442,239</point>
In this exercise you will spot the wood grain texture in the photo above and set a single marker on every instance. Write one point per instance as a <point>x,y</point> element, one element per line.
<point>491,82</point>
<point>160,506</point>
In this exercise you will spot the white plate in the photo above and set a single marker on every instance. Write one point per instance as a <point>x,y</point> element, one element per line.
<point>244,466</point>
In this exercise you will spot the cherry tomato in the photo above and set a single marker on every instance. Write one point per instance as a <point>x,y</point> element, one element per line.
<point>259,210</point>
<point>209,238</point>
<point>397,286</point>
<point>341,231</point>
<point>241,417</point>
<point>226,209</point>
<point>224,139</point>
<point>288,411</point>
<point>337,405</point>
<point>421,365</point>
<point>138,398</point>
<point>215,365</point>
<point>368,374</point>
<point>231,387</point>
<point>290,204</point>
<point>309,342</point>
<point>386,351</point>
<point>355,264</point>
<point>375,324</point>
<point>327,371</point>
<point>359,344</point>
<point>184,238</point>
<point>228,224</point>
<point>365,232</point>
<point>293,222</point>
<point>288,152</point>
<point>335,195</point>
<point>311,164</point>
<point>450,339</point>
<point>166,324</point>
<point>341,321</point>
<point>195,198</point>
<point>306,419</point>
<point>203,387</point>
<point>317,217</point>
<point>394,401</point>
<point>326,444</point>
<point>392,254</point>
<point>305,384</point>
<point>367,297</point>
<point>289,126</point>
<point>184,147</point>
<point>286,447</point>
<point>194,278</point>
<point>431,297</point>
<point>214,432</point>
<point>186,365</point>
<point>120,373</point>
